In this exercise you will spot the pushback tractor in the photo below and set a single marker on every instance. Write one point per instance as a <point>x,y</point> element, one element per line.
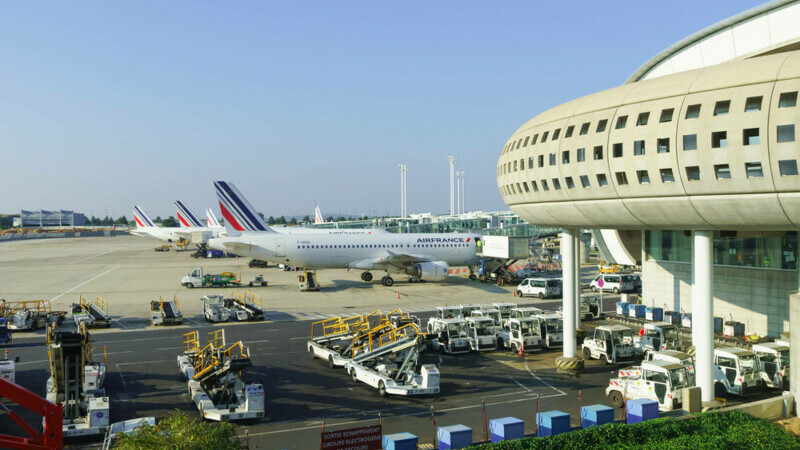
<point>214,379</point>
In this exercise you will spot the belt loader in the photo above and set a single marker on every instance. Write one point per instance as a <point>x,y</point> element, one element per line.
<point>76,380</point>
<point>387,362</point>
<point>214,381</point>
<point>166,312</point>
<point>94,315</point>
<point>332,339</point>
<point>29,314</point>
<point>245,307</point>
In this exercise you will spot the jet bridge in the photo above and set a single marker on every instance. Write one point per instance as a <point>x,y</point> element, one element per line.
<point>214,378</point>
<point>94,315</point>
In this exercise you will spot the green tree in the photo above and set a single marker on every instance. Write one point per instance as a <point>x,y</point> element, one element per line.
<point>306,219</point>
<point>293,221</point>
<point>169,222</point>
<point>178,431</point>
<point>122,220</point>
<point>157,220</point>
<point>281,220</point>
<point>271,220</point>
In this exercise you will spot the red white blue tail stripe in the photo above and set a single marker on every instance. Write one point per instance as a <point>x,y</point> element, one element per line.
<point>141,218</point>
<point>212,219</point>
<point>236,210</point>
<point>185,216</point>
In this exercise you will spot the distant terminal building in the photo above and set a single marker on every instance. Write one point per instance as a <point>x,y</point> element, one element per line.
<point>42,218</point>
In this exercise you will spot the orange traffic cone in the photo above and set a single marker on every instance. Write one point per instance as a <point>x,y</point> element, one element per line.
<point>514,293</point>
<point>398,295</point>
<point>521,351</point>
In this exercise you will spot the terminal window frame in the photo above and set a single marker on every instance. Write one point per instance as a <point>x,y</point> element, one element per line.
<point>667,176</point>
<point>689,142</point>
<point>519,143</point>
<point>662,145</point>
<point>598,152</point>
<point>722,171</point>
<point>788,167</point>
<point>638,147</point>
<point>719,139</point>
<point>643,176</point>
<point>544,136</point>
<point>787,100</point>
<point>552,159</point>
<point>530,162</point>
<point>622,121</point>
<point>601,126</point>
<point>541,160</point>
<point>643,119</point>
<point>692,111</point>
<point>585,181</point>
<point>666,115</point>
<point>754,169</point>
<point>753,104</point>
<point>545,186</point>
<point>722,108</point>
<point>584,128</point>
<point>750,136</point>
<point>525,144</point>
<point>602,180</point>
<point>525,186</point>
<point>570,183</point>
<point>581,156</point>
<point>556,134</point>
<point>568,133</point>
<point>622,178</point>
<point>565,157</point>
<point>535,138</point>
<point>556,184</point>
<point>693,173</point>
<point>534,186</point>
<point>785,133</point>
<point>515,165</point>
<point>616,150</point>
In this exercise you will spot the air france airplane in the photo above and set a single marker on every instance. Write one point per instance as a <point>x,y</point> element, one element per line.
<point>146,227</point>
<point>189,222</point>
<point>425,256</point>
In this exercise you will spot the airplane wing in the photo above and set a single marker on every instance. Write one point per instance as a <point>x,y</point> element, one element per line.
<point>237,247</point>
<point>392,260</point>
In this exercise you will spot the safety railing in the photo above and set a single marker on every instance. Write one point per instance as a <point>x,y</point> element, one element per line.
<point>191,342</point>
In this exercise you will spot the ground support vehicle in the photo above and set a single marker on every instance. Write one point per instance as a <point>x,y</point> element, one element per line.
<point>674,356</point>
<point>551,328</point>
<point>308,282</point>
<point>612,344</point>
<point>497,255</point>
<point>164,248</point>
<point>482,334</point>
<point>5,335</point>
<point>29,314</point>
<point>521,312</point>
<point>258,280</point>
<point>493,314</point>
<point>165,312</point>
<point>197,278</point>
<point>539,287</point>
<point>466,310</point>
<point>8,369</point>
<point>76,380</point>
<point>520,332</point>
<point>214,309</point>
<point>245,307</point>
<point>94,315</point>
<point>505,309</point>
<point>332,339</point>
<point>448,312</point>
<point>774,362</point>
<point>613,283</point>
<point>657,380</point>
<point>449,335</point>
<point>657,336</point>
<point>736,372</point>
<point>591,308</point>
<point>387,363</point>
<point>214,378</point>
<point>257,263</point>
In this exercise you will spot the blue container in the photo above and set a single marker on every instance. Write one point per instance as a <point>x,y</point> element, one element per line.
<point>454,436</point>
<point>718,325</point>
<point>672,317</point>
<point>551,423</point>
<point>641,409</point>
<point>400,441</point>
<point>596,415</point>
<point>686,320</point>
<point>506,428</point>
<point>637,311</point>
<point>654,314</point>
<point>622,308</point>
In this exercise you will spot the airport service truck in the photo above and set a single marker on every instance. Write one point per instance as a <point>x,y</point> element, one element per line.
<point>657,336</point>
<point>774,362</point>
<point>524,332</point>
<point>491,313</point>
<point>551,328</point>
<point>736,371</point>
<point>197,278</point>
<point>449,335</point>
<point>611,344</point>
<point>674,356</point>
<point>482,335</point>
<point>214,309</point>
<point>661,381</point>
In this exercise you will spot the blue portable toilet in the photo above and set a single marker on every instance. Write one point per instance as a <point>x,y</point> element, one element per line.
<point>596,415</point>
<point>636,311</point>
<point>454,436</point>
<point>506,428</point>
<point>622,308</point>
<point>641,409</point>
<point>654,314</point>
<point>400,441</point>
<point>551,423</point>
<point>672,317</point>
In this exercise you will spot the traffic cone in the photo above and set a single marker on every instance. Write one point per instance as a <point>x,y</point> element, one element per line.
<point>521,351</point>
<point>514,293</point>
<point>398,295</point>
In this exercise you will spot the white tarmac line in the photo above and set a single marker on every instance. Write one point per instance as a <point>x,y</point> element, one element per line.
<point>519,384</point>
<point>86,282</point>
<point>541,380</point>
<point>296,338</point>
<point>94,256</point>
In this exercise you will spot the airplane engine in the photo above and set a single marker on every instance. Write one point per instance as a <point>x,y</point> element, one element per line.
<point>430,271</point>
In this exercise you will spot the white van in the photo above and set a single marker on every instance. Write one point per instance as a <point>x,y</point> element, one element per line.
<point>539,287</point>
<point>614,283</point>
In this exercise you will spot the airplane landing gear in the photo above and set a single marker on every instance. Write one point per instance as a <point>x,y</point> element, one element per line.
<point>366,276</point>
<point>387,281</point>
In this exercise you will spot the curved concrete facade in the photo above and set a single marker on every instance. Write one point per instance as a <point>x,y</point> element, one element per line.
<point>630,157</point>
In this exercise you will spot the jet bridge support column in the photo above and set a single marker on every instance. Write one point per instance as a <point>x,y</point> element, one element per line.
<point>703,311</point>
<point>569,362</point>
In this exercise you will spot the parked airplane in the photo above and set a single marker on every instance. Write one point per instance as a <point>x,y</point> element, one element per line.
<point>146,227</point>
<point>212,219</point>
<point>425,256</point>
<point>190,224</point>
<point>318,215</point>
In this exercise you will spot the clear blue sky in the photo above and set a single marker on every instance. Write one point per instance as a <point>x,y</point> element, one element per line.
<point>107,104</point>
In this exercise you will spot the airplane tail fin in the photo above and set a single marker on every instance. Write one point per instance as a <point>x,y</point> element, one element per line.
<point>318,215</point>
<point>142,221</point>
<point>185,217</point>
<point>212,219</point>
<point>236,210</point>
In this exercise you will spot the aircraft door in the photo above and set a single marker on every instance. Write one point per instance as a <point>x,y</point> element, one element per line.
<point>280,247</point>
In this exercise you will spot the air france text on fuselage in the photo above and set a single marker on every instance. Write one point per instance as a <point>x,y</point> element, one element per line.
<point>442,240</point>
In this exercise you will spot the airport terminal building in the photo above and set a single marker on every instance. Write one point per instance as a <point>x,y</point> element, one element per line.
<point>42,218</point>
<point>701,142</point>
